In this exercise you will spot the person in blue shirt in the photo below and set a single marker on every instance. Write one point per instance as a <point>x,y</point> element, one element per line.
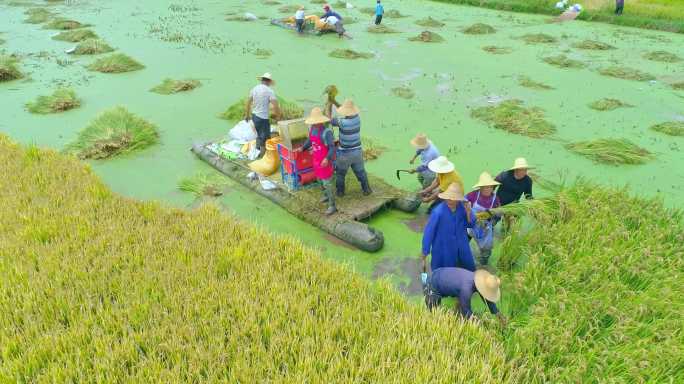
<point>427,152</point>
<point>445,236</point>
<point>333,18</point>
<point>379,11</point>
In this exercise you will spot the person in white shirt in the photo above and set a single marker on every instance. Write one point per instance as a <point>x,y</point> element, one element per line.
<point>299,19</point>
<point>258,109</point>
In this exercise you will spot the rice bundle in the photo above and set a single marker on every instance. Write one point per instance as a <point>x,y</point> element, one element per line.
<point>393,14</point>
<point>678,86</point>
<point>8,68</point>
<point>290,110</point>
<point>64,24</point>
<point>262,53</point>
<point>38,15</point>
<point>116,63</point>
<point>427,37</point>
<point>404,92</point>
<point>92,47</point>
<point>429,22</point>
<point>663,56</point>
<point>611,151</point>
<point>61,100</point>
<point>381,29</point>
<point>204,184</point>
<point>538,38</point>
<point>513,117</point>
<point>608,104</point>
<point>532,84</point>
<point>563,61</point>
<point>75,36</point>
<point>170,86</point>
<point>371,149</point>
<point>479,29</point>
<point>672,128</point>
<point>626,73</point>
<point>497,50</point>
<point>349,54</point>
<point>593,45</point>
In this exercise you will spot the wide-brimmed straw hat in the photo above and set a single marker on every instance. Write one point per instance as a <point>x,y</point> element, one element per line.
<point>488,285</point>
<point>454,192</point>
<point>486,180</point>
<point>316,117</point>
<point>520,163</point>
<point>348,108</point>
<point>266,76</point>
<point>420,141</point>
<point>441,165</point>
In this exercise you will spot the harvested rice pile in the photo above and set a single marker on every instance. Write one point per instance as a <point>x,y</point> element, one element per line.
<point>114,132</point>
<point>349,54</point>
<point>262,53</point>
<point>404,92</point>
<point>611,151</point>
<point>429,22</point>
<point>497,50</point>
<point>513,117</point>
<point>371,149</point>
<point>38,15</point>
<point>381,29</point>
<point>678,86</point>
<point>61,100</point>
<point>562,61</point>
<point>529,83</point>
<point>92,47</point>
<point>76,35</point>
<point>626,73</point>
<point>8,68</point>
<point>204,184</point>
<point>672,128</point>
<point>663,56</point>
<point>116,63</point>
<point>393,14</point>
<point>64,24</point>
<point>538,38</point>
<point>479,29</point>
<point>170,86</point>
<point>593,45</point>
<point>427,37</point>
<point>608,104</point>
<point>289,109</point>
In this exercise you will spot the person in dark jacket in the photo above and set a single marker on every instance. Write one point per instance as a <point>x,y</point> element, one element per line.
<point>619,7</point>
<point>333,18</point>
<point>515,183</point>
<point>349,152</point>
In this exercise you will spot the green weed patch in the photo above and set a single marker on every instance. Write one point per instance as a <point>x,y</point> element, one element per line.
<point>349,54</point>
<point>61,100</point>
<point>9,69</point>
<point>608,104</point>
<point>593,45</point>
<point>427,37</point>
<point>671,128</point>
<point>429,22</point>
<point>116,63</point>
<point>64,24</point>
<point>38,15</point>
<point>171,86</point>
<point>562,61</point>
<point>626,73</point>
<point>75,36</point>
<point>611,151</point>
<point>538,38</point>
<point>204,184</point>
<point>497,50</point>
<point>92,47</point>
<point>528,82</point>
<point>663,56</point>
<point>513,117</point>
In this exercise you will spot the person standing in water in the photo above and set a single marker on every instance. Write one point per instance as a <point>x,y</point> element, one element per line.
<point>619,6</point>
<point>299,19</point>
<point>379,11</point>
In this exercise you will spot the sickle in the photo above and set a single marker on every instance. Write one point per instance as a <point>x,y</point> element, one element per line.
<point>402,170</point>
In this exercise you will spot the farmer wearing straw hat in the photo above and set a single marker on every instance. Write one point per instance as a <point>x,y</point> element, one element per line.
<point>514,183</point>
<point>445,236</point>
<point>333,18</point>
<point>349,152</point>
<point>258,108</point>
<point>427,152</point>
<point>483,199</point>
<point>322,144</point>
<point>446,175</point>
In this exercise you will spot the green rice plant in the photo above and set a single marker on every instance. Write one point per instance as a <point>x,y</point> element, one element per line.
<point>663,56</point>
<point>38,15</point>
<point>9,69</point>
<point>204,184</point>
<point>626,73</point>
<point>171,86</point>
<point>611,151</point>
<point>479,29</point>
<point>74,36</point>
<point>427,37</point>
<point>108,278</point>
<point>429,22</point>
<point>115,63</point>
<point>63,99</point>
<point>371,148</point>
<point>289,109</point>
<point>404,92</point>
<point>562,61</point>
<point>670,128</point>
<point>513,117</point>
<point>349,54</point>
<point>92,47</point>
<point>64,24</point>
<point>497,50</point>
<point>528,82</point>
<point>114,132</point>
<point>608,104</point>
<point>593,45</point>
<point>382,28</point>
<point>538,38</point>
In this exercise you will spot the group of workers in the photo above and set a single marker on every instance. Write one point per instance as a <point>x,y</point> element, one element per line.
<point>333,19</point>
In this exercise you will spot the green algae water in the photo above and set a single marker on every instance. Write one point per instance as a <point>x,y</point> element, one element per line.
<point>193,39</point>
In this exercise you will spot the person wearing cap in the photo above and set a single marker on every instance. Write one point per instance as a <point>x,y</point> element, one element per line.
<point>445,175</point>
<point>379,11</point>
<point>257,108</point>
<point>515,182</point>
<point>333,18</point>
<point>427,152</point>
<point>322,144</point>
<point>445,236</point>
<point>349,152</point>
<point>483,199</point>
<point>299,19</point>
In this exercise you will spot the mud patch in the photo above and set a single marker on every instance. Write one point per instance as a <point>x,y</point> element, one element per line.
<point>417,224</point>
<point>408,269</point>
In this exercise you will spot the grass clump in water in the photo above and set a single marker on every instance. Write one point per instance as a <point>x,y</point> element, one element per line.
<point>76,35</point>
<point>672,128</point>
<point>608,104</point>
<point>61,100</point>
<point>114,132</point>
<point>527,82</point>
<point>38,15</point>
<point>92,47</point>
<point>593,45</point>
<point>513,117</point>
<point>479,29</point>
<point>381,29</point>
<point>538,38</point>
<point>8,68</point>
<point>349,54</point>
<point>204,184</point>
<point>563,61</point>
<point>262,53</point>
<point>429,22</point>
<point>64,24</point>
<point>290,110</point>
<point>427,37</point>
<point>626,73</point>
<point>611,151</point>
<point>404,92</point>
<point>170,86</point>
<point>497,50</point>
<point>116,63</point>
<point>663,56</point>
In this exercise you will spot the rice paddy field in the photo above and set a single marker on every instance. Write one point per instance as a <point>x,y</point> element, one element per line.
<point>596,101</point>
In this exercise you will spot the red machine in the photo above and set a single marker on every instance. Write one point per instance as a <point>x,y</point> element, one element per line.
<point>296,166</point>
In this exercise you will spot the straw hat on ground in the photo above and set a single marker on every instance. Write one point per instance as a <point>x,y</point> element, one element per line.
<point>266,76</point>
<point>488,285</point>
<point>316,117</point>
<point>521,163</point>
<point>420,141</point>
<point>441,165</point>
<point>454,193</point>
<point>486,180</point>
<point>348,108</point>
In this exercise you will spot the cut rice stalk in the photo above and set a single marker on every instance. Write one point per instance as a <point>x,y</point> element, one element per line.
<point>371,149</point>
<point>429,22</point>
<point>75,36</point>
<point>626,73</point>
<point>427,37</point>
<point>404,92</point>
<point>563,61</point>
<point>349,54</point>
<point>538,38</point>
<point>116,63</point>
<point>513,117</point>
<point>289,110</point>
<point>529,83</point>
<point>170,86</point>
<point>38,15</point>
<point>671,128</point>
<point>479,29</point>
<point>497,50</point>
<point>593,45</point>
<point>204,184</point>
<point>663,56</point>
<point>61,100</point>
<point>381,29</point>
<point>64,24</point>
<point>92,47</point>
<point>611,151</point>
<point>608,104</point>
<point>8,68</point>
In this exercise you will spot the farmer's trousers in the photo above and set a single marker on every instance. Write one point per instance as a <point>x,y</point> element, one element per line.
<point>300,25</point>
<point>263,129</point>
<point>619,8</point>
<point>378,19</point>
<point>354,159</point>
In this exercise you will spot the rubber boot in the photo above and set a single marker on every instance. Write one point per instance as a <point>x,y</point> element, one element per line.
<point>330,198</point>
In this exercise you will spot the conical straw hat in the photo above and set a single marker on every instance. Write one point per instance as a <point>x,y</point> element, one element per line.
<point>486,180</point>
<point>348,108</point>
<point>420,141</point>
<point>521,163</point>
<point>454,192</point>
<point>488,285</point>
<point>266,76</point>
<point>316,117</point>
<point>441,165</point>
